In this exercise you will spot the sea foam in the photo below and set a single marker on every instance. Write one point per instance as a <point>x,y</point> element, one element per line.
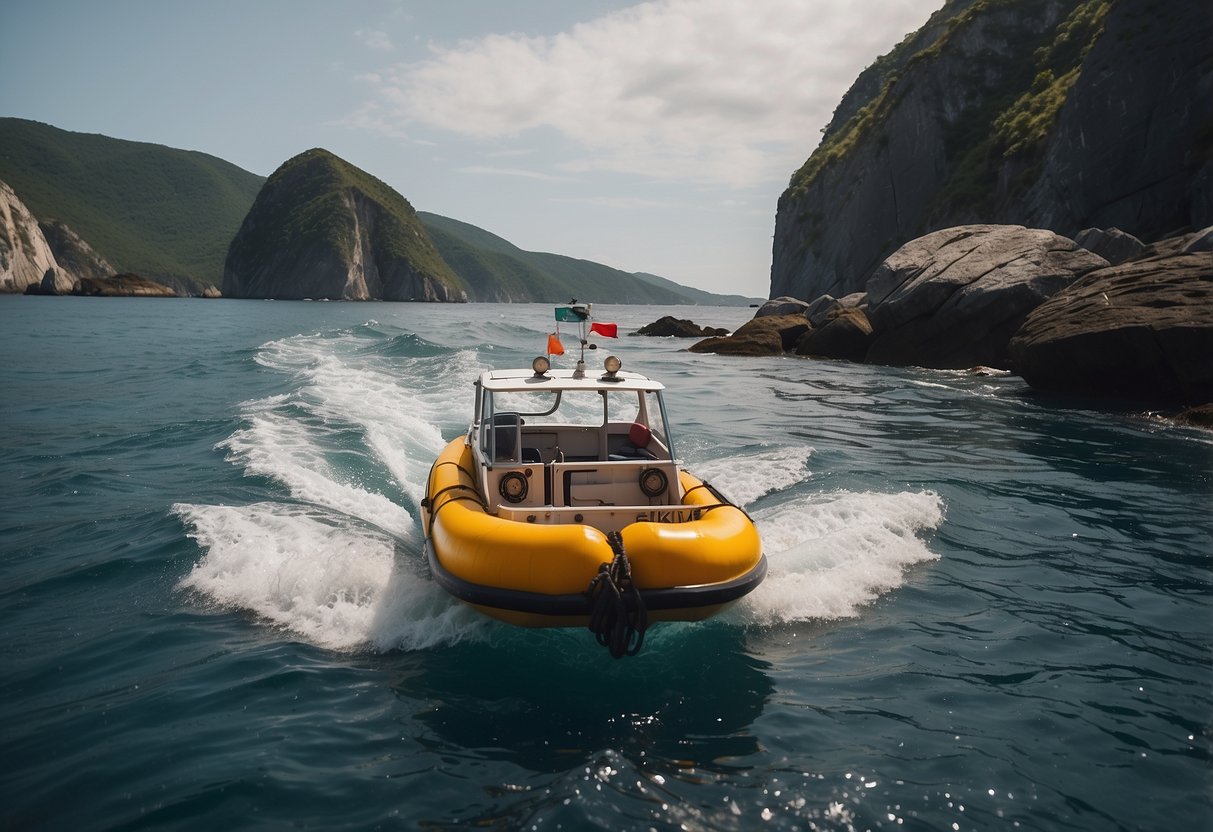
<point>831,554</point>
<point>746,477</point>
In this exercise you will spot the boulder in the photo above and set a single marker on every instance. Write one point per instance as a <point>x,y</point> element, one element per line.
<point>769,335</point>
<point>1111,244</point>
<point>847,335</point>
<point>781,306</point>
<point>1141,330</point>
<point>54,282</point>
<point>954,298</point>
<point>671,327</point>
<point>123,285</point>
<point>827,306</point>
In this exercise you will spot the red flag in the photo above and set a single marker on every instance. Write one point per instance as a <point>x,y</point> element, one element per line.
<point>606,330</point>
<point>554,345</point>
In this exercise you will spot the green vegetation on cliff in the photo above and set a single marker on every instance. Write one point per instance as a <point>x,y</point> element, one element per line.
<point>1013,120</point>
<point>160,212</point>
<point>1014,128</point>
<point>171,215</point>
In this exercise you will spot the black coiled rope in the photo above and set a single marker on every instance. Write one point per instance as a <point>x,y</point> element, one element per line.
<point>617,624</point>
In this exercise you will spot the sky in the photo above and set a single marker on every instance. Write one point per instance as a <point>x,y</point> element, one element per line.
<point>653,136</point>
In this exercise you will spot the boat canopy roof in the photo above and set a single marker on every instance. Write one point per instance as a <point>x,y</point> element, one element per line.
<point>500,381</point>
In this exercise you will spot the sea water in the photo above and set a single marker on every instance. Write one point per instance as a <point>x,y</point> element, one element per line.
<point>986,608</point>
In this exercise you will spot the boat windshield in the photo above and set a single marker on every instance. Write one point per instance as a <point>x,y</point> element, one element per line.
<point>586,408</point>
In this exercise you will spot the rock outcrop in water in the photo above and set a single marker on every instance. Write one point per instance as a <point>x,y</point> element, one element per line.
<point>1008,296</point>
<point>767,335</point>
<point>954,298</point>
<point>1052,114</point>
<point>671,327</point>
<point>951,299</point>
<point>322,228</point>
<point>1141,330</point>
<point>123,285</point>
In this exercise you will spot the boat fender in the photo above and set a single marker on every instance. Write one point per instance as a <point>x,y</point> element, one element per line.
<point>618,617</point>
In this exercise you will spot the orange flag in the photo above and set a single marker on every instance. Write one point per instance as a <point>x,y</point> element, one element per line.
<point>554,345</point>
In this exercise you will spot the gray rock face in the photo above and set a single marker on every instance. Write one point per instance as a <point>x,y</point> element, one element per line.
<point>56,282</point>
<point>1111,244</point>
<point>1124,149</point>
<point>954,298</point>
<point>1139,330</point>
<point>781,306</point>
<point>73,254</point>
<point>826,307</point>
<point>1200,241</point>
<point>25,256</point>
<point>847,335</point>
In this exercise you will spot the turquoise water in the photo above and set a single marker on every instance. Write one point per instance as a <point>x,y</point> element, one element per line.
<point>986,609</point>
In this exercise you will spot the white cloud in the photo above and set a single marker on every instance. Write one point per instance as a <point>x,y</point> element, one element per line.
<point>520,173</point>
<point>375,39</point>
<point>722,91</point>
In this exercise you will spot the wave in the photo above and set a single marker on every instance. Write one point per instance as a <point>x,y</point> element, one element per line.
<point>829,555</point>
<point>747,477</point>
<point>336,584</point>
<point>351,442</point>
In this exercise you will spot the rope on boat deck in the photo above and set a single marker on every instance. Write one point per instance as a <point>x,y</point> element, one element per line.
<point>617,615</point>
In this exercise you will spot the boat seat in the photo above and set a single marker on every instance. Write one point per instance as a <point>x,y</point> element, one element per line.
<point>507,437</point>
<point>636,447</point>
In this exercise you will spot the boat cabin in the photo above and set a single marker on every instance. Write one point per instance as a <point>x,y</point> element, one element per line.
<point>567,446</point>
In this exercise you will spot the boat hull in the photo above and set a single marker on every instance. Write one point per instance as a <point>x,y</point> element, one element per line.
<point>537,575</point>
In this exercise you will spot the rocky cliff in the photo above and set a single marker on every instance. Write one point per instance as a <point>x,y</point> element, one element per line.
<point>322,228</point>
<point>25,256</point>
<point>1053,114</point>
<point>73,254</point>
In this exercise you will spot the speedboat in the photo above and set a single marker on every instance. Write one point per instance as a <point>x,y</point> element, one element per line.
<point>565,505</point>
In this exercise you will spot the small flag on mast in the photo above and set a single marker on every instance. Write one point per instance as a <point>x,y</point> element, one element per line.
<point>554,345</point>
<point>605,330</point>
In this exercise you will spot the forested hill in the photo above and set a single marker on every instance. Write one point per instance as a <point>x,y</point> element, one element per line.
<point>497,270</point>
<point>157,211</point>
<point>172,215</point>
